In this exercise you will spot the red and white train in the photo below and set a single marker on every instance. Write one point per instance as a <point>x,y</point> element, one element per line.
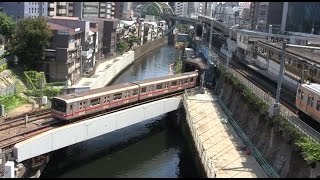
<point>308,99</point>
<point>75,105</point>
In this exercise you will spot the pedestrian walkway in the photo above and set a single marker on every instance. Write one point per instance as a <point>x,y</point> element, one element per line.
<point>220,148</point>
<point>87,81</point>
<point>106,71</point>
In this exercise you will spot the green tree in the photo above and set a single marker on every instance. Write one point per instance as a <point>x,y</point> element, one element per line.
<point>183,28</point>
<point>7,27</point>
<point>133,39</point>
<point>30,40</point>
<point>122,46</point>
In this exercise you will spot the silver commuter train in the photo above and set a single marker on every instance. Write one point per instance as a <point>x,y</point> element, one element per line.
<point>75,105</point>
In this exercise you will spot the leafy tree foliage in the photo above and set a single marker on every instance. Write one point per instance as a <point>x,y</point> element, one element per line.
<point>7,26</point>
<point>122,46</point>
<point>133,39</point>
<point>30,40</point>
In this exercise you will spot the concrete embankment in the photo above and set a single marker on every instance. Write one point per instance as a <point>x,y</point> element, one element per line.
<point>217,144</point>
<point>109,70</point>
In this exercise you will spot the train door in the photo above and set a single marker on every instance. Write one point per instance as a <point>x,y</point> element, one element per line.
<point>71,112</point>
<point>308,103</point>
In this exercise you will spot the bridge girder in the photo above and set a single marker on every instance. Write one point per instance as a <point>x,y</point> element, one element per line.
<point>156,9</point>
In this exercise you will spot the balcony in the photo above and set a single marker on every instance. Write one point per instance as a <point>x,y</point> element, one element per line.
<point>52,5</point>
<point>71,69</point>
<point>87,54</point>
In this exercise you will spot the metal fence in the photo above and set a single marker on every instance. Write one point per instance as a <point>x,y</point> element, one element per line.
<point>285,112</point>
<point>205,160</point>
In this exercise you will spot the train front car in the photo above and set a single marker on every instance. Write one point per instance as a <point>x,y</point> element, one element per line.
<point>58,109</point>
<point>308,100</point>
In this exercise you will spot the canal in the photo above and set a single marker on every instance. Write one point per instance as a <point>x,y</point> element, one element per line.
<point>148,149</point>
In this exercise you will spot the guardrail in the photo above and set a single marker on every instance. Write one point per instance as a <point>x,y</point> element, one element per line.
<point>285,112</point>
<point>206,161</point>
<point>255,152</point>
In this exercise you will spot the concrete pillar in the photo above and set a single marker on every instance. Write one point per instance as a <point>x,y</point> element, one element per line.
<point>9,169</point>
<point>284,17</point>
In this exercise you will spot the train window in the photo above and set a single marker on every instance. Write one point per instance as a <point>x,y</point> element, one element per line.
<point>159,86</point>
<point>84,104</point>
<point>105,99</point>
<point>173,83</point>
<point>318,105</point>
<point>134,92</point>
<point>80,106</point>
<point>108,98</point>
<point>312,99</point>
<point>165,85</point>
<point>309,99</point>
<point>185,81</point>
<point>94,102</point>
<point>302,94</point>
<point>143,90</point>
<point>59,105</point>
<point>117,96</point>
<point>180,82</point>
<point>191,79</point>
<point>299,91</point>
<point>71,109</point>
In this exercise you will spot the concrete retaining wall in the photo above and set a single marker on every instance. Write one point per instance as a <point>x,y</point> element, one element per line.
<point>145,48</point>
<point>106,75</point>
<point>119,64</point>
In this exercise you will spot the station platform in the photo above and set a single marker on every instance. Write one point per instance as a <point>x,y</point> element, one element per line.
<point>219,146</point>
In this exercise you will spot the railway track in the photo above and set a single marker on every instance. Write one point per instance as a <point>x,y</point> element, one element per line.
<point>32,117</point>
<point>43,122</point>
<point>287,97</point>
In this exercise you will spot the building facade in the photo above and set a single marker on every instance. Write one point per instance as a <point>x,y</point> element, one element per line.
<point>20,10</point>
<point>264,14</point>
<point>302,17</point>
<point>60,9</point>
<point>63,55</point>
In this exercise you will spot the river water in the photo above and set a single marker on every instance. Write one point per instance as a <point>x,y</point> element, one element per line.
<point>147,149</point>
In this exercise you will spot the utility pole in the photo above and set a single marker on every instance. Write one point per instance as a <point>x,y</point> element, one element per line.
<point>281,71</point>
<point>211,31</point>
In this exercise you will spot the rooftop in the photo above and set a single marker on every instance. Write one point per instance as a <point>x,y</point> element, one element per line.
<point>65,17</point>
<point>312,55</point>
<point>54,26</point>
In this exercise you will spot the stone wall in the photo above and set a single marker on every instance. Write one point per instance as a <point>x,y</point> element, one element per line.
<point>145,48</point>
<point>274,143</point>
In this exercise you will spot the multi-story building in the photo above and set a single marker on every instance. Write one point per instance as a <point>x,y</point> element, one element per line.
<point>63,55</point>
<point>264,14</point>
<point>301,17</point>
<point>60,9</point>
<point>185,9</point>
<point>181,8</point>
<point>125,10</point>
<point>20,10</point>
<point>94,9</point>
<point>107,27</point>
<point>87,38</point>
